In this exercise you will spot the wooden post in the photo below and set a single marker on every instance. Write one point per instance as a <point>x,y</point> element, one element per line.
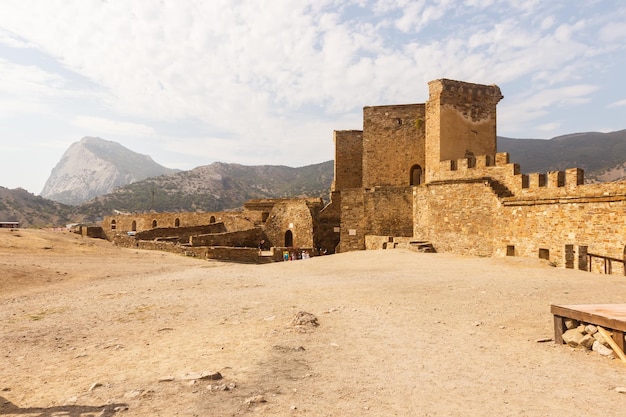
<point>559,327</point>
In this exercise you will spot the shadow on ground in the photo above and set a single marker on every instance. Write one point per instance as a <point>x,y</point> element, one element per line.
<point>8,408</point>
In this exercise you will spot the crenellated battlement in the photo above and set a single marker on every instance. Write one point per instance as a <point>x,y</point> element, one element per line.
<point>535,186</point>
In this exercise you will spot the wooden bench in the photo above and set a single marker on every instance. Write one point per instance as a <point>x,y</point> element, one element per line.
<point>610,316</point>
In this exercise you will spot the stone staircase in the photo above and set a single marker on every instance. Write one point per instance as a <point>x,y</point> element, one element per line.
<point>421,246</point>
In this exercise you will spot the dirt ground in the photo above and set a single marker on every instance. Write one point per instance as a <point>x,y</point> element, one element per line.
<point>89,329</point>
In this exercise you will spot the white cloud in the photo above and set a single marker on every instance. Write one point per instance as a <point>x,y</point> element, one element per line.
<point>98,126</point>
<point>613,32</point>
<point>288,72</point>
<point>619,103</point>
<point>549,127</point>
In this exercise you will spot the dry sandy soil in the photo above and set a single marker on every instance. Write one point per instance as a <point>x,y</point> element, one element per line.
<point>89,329</point>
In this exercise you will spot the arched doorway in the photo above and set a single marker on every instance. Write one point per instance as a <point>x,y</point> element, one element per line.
<point>133,226</point>
<point>212,219</point>
<point>177,222</point>
<point>288,238</point>
<point>154,224</point>
<point>416,175</point>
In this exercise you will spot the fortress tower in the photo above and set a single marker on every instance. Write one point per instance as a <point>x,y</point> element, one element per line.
<point>460,121</point>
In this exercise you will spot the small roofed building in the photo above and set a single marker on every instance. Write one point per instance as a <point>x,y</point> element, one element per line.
<point>9,225</point>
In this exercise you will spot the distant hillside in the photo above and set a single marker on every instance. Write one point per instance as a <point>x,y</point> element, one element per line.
<point>29,210</point>
<point>94,167</point>
<point>215,187</point>
<point>601,155</point>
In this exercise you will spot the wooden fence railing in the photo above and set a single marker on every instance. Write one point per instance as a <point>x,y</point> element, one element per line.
<point>608,262</point>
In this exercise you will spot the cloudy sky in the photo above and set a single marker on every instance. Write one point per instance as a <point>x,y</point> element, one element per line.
<point>191,82</point>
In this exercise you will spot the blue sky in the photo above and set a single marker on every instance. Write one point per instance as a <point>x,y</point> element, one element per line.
<point>267,82</point>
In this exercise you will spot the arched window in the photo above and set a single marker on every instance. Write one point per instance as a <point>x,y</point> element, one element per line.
<point>154,224</point>
<point>113,224</point>
<point>212,220</point>
<point>416,175</point>
<point>133,227</point>
<point>177,222</point>
<point>288,238</point>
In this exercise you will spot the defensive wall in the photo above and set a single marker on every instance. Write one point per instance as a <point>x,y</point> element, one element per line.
<point>474,207</point>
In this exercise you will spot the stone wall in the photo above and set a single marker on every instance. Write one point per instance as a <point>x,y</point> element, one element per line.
<point>393,143</point>
<point>389,211</point>
<point>352,232</point>
<point>348,159</point>
<point>298,218</point>
<point>242,238</point>
<point>457,216</point>
<point>180,233</point>
<point>494,210</point>
<point>139,222</point>
<point>329,225</point>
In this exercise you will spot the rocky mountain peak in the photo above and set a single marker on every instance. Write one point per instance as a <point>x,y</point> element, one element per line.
<point>93,167</point>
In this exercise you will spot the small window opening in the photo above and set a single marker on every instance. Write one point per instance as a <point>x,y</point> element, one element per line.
<point>113,225</point>
<point>416,175</point>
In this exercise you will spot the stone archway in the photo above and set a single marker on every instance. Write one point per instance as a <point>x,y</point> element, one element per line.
<point>177,222</point>
<point>288,238</point>
<point>154,224</point>
<point>133,226</point>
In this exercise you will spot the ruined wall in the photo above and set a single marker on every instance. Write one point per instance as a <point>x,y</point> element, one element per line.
<point>460,121</point>
<point>348,159</point>
<point>393,142</point>
<point>123,223</point>
<point>242,238</point>
<point>181,233</point>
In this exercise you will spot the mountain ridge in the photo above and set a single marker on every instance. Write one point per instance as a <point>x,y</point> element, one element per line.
<point>221,186</point>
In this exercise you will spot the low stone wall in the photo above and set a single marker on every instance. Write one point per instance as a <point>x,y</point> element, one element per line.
<point>245,255</point>
<point>182,233</point>
<point>245,238</point>
<point>386,242</point>
<point>92,231</point>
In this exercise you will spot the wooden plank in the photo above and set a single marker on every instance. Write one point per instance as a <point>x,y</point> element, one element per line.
<point>619,352</point>
<point>612,316</point>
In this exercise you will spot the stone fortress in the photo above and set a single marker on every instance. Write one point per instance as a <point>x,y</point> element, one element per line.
<point>418,175</point>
